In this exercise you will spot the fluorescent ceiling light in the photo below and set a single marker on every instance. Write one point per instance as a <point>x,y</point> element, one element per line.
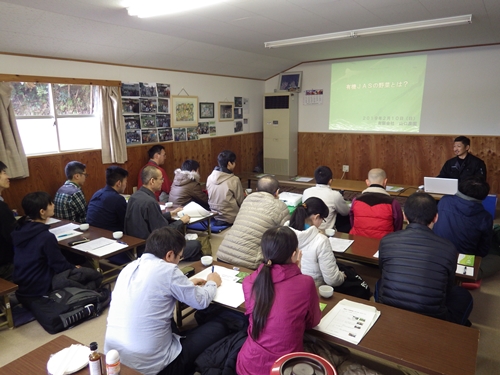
<point>153,8</point>
<point>398,28</point>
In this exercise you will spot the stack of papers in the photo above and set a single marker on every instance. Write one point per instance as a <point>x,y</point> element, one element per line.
<point>301,179</point>
<point>340,245</point>
<point>291,199</point>
<point>65,231</point>
<point>349,321</point>
<point>230,293</point>
<point>101,246</point>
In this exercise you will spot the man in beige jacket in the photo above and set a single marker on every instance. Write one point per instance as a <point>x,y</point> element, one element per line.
<point>225,193</point>
<point>259,212</point>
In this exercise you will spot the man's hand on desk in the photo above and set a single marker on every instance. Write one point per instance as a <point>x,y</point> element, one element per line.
<point>185,219</point>
<point>214,276</point>
<point>174,212</point>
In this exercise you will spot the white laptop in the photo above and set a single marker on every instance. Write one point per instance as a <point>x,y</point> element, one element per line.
<point>436,185</point>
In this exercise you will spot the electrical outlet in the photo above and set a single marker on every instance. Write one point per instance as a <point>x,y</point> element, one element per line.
<point>345,168</point>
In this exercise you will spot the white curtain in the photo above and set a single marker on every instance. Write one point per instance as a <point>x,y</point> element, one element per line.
<point>114,147</point>
<point>11,148</point>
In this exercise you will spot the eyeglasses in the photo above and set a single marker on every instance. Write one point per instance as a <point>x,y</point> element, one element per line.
<point>84,174</point>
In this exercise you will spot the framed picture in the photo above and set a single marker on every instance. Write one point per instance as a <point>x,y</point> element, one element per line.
<point>290,81</point>
<point>207,110</point>
<point>184,111</point>
<point>226,111</point>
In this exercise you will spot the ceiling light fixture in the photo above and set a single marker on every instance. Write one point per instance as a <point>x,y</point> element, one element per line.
<point>154,8</point>
<point>398,28</point>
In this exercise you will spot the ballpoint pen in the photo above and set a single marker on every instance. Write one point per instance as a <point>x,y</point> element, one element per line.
<point>64,235</point>
<point>212,269</point>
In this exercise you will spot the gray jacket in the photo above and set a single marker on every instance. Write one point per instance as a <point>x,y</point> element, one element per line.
<point>144,215</point>
<point>259,212</point>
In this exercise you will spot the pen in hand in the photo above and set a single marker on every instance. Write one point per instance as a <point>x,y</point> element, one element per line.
<point>212,269</point>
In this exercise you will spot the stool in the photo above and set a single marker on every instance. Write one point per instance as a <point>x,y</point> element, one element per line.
<point>6,288</point>
<point>472,286</point>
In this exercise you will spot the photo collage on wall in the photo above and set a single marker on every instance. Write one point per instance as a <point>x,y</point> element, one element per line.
<point>238,114</point>
<point>146,111</point>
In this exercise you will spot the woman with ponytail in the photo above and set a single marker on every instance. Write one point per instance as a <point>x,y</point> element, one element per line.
<point>318,260</point>
<point>281,304</point>
<point>37,257</point>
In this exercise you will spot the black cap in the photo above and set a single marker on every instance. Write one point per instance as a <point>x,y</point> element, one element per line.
<point>93,346</point>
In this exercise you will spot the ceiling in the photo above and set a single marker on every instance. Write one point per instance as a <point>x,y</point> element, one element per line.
<point>228,39</point>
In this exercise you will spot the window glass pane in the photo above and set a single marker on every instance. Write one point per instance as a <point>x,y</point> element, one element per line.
<point>73,99</point>
<point>79,133</point>
<point>30,99</point>
<point>39,136</point>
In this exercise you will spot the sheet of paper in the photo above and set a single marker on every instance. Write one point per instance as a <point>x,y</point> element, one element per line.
<point>290,199</point>
<point>465,270</point>
<point>375,255</point>
<point>349,321</point>
<point>303,179</point>
<point>65,231</point>
<point>51,220</point>
<point>393,188</point>
<point>466,260</point>
<point>194,210</point>
<point>95,244</point>
<point>339,245</point>
<point>230,293</point>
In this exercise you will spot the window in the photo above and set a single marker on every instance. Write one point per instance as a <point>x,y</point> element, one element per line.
<point>55,118</point>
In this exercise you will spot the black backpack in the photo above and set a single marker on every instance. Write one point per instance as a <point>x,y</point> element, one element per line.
<point>67,307</point>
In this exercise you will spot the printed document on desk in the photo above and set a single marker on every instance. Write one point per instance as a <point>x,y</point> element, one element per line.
<point>230,293</point>
<point>339,245</point>
<point>101,246</point>
<point>65,231</point>
<point>349,321</point>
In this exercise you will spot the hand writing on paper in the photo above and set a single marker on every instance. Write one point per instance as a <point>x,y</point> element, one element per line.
<point>214,276</point>
<point>185,219</point>
<point>174,212</point>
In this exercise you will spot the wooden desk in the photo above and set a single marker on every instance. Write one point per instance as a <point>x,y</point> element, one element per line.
<point>35,362</point>
<point>411,340</point>
<point>363,249</point>
<point>349,185</point>
<point>428,345</point>
<point>93,233</point>
<point>6,288</point>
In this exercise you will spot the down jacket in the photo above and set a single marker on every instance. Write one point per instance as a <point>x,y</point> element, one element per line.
<point>318,260</point>
<point>259,212</point>
<point>186,188</point>
<point>375,213</point>
<point>418,270</point>
<point>225,195</point>
<point>465,222</point>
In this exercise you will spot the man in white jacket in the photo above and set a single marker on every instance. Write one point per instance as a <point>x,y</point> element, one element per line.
<point>259,212</point>
<point>332,198</point>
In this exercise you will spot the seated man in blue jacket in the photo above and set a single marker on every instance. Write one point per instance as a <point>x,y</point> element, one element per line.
<point>418,267</point>
<point>463,219</point>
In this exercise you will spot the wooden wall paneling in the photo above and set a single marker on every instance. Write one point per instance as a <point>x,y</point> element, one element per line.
<point>251,151</point>
<point>407,159</point>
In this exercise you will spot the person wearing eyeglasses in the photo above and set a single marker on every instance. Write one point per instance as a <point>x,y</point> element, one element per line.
<point>144,214</point>
<point>70,203</point>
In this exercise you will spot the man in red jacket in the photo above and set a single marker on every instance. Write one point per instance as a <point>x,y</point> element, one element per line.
<point>375,213</point>
<point>156,158</point>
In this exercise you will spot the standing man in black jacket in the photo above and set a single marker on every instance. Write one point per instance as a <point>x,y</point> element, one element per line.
<point>418,267</point>
<point>464,164</point>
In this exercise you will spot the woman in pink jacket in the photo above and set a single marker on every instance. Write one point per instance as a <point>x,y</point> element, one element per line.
<point>281,304</point>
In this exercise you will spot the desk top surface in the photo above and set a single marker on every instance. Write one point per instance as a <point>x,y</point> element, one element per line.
<point>412,340</point>
<point>35,362</point>
<point>94,233</point>
<point>350,185</point>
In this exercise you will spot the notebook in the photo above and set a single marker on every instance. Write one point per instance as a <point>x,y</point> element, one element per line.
<point>435,185</point>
